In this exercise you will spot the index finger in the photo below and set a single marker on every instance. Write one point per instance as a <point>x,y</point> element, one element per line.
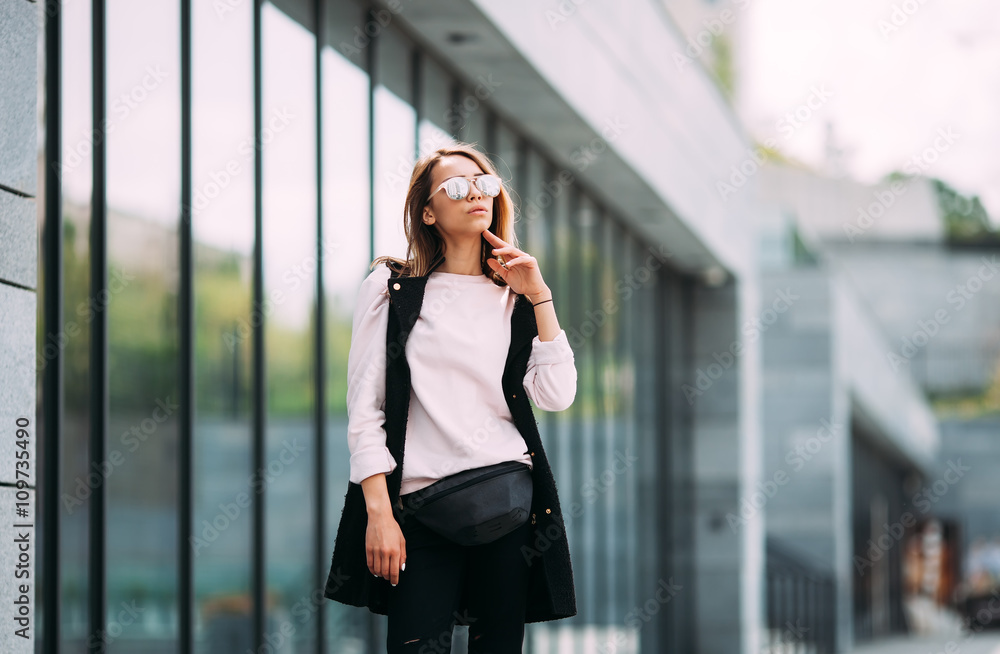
<point>491,236</point>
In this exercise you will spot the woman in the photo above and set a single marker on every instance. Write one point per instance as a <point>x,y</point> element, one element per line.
<point>464,348</point>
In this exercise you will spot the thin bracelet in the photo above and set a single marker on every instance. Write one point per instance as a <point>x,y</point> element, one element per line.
<point>542,302</point>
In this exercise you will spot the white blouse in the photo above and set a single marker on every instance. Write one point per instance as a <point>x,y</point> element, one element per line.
<point>457,350</point>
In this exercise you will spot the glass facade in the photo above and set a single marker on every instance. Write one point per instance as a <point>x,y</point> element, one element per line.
<point>301,147</point>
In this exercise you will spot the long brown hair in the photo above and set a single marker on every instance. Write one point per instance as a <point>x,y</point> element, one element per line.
<point>424,245</point>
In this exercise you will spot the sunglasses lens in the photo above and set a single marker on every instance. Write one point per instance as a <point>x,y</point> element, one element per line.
<point>489,185</point>
<point>457,188</point>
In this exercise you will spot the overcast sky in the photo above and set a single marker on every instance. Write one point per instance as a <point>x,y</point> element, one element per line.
<point>888,75</point>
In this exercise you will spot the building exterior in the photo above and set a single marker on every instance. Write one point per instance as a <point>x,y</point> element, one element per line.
<point>217,178</point>
<point>213,180</point>
<point>905,337</point>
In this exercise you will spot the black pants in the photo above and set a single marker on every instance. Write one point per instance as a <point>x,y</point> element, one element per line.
<point>424,605</point>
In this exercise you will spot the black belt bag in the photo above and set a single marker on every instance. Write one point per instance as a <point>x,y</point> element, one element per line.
<point>473,507</point>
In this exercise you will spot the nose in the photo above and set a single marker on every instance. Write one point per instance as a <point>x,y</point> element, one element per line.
<point>474,192</point>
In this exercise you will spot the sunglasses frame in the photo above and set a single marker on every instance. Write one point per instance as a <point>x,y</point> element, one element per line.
<point>475,181</point>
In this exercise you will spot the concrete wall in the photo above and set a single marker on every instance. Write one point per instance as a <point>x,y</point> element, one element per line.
<point>806,419</point>
<point>18,281</point>
<point>944,302</point>
<point>823,360</point>
<point>726,447</point>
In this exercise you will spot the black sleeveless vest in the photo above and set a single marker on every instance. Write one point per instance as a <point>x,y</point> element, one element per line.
<point>551,592</point>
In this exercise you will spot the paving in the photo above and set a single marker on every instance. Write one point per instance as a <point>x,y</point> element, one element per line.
<point>983,643</point>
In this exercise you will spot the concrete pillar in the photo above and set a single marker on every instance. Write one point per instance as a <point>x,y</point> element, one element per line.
<point>807,427</point>
<point>726,452</point>
<point>18,280</point>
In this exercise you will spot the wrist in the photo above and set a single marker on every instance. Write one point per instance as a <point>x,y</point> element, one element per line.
<point>379,509</point>
<point>545,294</point>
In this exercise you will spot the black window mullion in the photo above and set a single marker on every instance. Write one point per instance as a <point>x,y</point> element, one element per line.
<point>257,569</point>
<point>185,315</point>
<point>319,343</point>
<point>97,591</point>
<point>417,85</point>
<point>52,389</point>
<point>371,59</point>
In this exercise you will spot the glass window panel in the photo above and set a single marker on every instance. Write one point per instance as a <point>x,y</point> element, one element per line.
<point>395,144</point>
<point>346,223</point>
<point>643,436</point>
<point>601,473</point>
<point>435,126</point>
<point>564,463</point>
<point>468,113</point>
<point>290,268</point>
<point>473,114</point>
<point>143,187</point>
<point>348,31</point>
<point>505,160</point>
<point>536,213</point>
<point>222,215</point>
<point>395,63</point>
<point>614,529</point>
<point>76,177</point>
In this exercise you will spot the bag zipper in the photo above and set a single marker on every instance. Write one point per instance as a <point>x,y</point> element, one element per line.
<point>470,482</point>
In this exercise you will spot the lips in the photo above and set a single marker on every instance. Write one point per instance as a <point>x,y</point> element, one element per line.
<point>478,208</point>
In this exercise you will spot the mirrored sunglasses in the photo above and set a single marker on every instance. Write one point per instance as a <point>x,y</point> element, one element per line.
<point>457,188</point>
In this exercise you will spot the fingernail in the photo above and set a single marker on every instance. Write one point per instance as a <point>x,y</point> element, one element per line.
<point>402,567</point>
<point>394,584</point>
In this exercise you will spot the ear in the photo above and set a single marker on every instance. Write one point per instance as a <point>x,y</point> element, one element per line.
<point>428,216</point>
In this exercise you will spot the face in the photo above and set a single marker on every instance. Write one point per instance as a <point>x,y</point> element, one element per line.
<point>458,218</point>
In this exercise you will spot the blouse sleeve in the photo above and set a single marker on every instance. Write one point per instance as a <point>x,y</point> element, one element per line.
<point>551,377</point>
<point>366,380</point>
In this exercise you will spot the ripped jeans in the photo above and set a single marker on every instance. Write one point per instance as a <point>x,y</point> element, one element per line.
<point>424,605</point>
